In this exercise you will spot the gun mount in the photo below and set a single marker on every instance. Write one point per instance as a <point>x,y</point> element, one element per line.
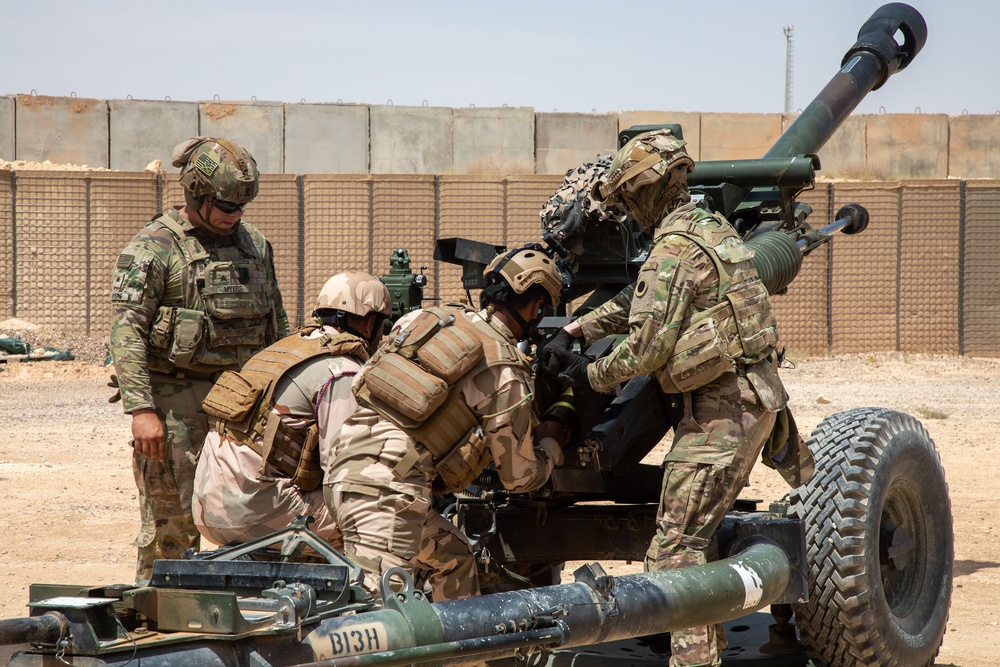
<point>406,288</point>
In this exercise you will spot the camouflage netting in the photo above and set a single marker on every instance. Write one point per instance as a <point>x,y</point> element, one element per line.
<point>571,209</point>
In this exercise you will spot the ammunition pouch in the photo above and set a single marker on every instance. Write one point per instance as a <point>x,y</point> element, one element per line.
<point>463,464</point>
<point>416,381</point>
<point>233,397</point>
<point>241,402</point>
<point>718,340</point>
<point>404,391</point>
<point>177,334</point>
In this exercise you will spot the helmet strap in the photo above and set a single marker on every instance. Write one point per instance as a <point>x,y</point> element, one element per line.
<point>340,320</point>
<point>516,316</point>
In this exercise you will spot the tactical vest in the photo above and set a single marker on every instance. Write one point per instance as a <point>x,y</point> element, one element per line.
<point>241,402</point>
<point>236,310</point>
<point>740,330</point>
<point>416,378</point>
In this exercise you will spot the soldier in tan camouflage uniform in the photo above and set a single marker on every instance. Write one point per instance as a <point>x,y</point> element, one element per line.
<point>304,382</point>
<point>193,294</point>
<point>697,283</point>
<point>446,394</point>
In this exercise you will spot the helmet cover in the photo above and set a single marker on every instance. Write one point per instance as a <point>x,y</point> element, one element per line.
<point>647,174</point>
<point>217,168</point>
<point>356,293</point>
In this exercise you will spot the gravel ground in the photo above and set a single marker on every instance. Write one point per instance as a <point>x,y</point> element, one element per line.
<point>71,504</point>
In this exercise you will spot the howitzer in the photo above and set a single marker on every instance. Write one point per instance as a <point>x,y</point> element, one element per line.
<point>869,582</point>
<point>757,196</point>
<point>530,535</point>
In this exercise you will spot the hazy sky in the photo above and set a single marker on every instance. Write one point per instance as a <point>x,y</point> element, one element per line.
<point>710,55</point>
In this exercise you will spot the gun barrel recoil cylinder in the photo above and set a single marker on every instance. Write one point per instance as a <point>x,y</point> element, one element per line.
<point>777,259</point>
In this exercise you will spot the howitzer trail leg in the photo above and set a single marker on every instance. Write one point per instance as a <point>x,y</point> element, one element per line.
<point>166,487</point>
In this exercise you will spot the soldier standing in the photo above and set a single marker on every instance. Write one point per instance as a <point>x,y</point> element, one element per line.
<point>697,278</point>
<point>272,422</point>
<point>446,394</point>
<point>193,294</point>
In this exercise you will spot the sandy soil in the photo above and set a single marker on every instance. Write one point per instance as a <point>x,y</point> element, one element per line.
<point>71,504</point>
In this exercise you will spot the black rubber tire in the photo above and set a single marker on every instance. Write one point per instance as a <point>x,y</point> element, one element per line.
<point>878,482</point>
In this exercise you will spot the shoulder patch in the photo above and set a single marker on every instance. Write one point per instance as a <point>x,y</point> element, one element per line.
<point>124,261</point>
<point>641,287</point>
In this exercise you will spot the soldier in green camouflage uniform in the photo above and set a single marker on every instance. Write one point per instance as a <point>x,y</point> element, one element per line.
<point>383,476</point>
<point>696,268</point>
<point>193,293</point>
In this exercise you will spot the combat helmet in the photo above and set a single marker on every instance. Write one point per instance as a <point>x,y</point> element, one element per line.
<point>521,268</point>
<point>647,175</point>
<point>217,168</point>
<point>355,293</point>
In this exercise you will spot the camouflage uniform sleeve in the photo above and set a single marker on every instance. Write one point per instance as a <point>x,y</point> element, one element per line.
<point>507,421</point>
<point>675,274</point>
<point>280,316</point>
<point>137,285</point>
<point>611,317</point>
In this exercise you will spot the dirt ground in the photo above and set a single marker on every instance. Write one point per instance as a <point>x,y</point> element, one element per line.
<point>71,504</point>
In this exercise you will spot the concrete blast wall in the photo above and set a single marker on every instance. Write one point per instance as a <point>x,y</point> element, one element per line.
<point>386,139</point>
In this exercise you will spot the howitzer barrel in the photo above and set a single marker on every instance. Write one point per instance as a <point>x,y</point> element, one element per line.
<point>595,610</point>
<point>45,628</point>
<point>867,65</point>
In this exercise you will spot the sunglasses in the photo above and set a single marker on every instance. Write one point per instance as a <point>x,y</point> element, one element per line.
<point>228,206</point>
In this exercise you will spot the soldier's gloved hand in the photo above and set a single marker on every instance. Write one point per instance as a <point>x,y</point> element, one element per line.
<point>552,428</point>
<point>563,340</point>
<point>113,383</point>
<point>572,368</point>
<point>551,436</point>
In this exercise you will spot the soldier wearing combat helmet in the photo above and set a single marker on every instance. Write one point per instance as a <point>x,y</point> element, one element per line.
<point>273,422</point>
<point>193,294</point>
<point>446,394</point>
<point>697,282</point>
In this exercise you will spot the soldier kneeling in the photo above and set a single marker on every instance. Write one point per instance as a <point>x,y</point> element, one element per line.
<point>272,423</point>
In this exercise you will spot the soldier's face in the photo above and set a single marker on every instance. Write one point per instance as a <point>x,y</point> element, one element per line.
<point>222,221</point>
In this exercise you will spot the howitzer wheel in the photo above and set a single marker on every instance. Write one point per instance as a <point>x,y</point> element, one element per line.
<point>879,542</point>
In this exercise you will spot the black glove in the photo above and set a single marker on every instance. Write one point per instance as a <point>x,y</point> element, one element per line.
<point>561,341</point>
<point>572,367</point>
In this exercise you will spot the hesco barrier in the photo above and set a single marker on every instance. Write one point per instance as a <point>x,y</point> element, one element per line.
<point>922,278</point>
